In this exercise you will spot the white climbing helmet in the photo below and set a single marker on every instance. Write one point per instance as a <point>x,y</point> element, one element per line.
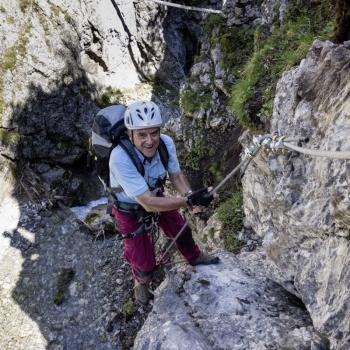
<point>142,115</point>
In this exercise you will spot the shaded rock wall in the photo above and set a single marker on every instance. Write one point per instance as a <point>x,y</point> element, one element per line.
<point>58,59</point>
<point>299,204</point>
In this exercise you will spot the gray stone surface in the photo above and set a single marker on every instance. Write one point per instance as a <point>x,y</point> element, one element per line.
<point>60,286</point>
<point>300,204</point>
<point>224,306</point>
<point>59,57</point>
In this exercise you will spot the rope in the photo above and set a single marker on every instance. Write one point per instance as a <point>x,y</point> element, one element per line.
<point>317,153</point>
<point>191,8</point>
<point>172,243</point>
<point>252,154</point>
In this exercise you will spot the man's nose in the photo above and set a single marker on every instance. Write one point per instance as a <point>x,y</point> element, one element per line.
<point>149,139</point>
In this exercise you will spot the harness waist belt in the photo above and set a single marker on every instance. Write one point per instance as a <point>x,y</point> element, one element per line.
<point>124,206</point>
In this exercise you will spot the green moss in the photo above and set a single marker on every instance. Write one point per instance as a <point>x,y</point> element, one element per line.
<point>91,218</point>
<point>68,18</point>
<point>64,279</point>
<point>56,10</point>
<point>22,45</point>
<point>10,20</point>
<point>192,101</point>
<point>213,21</point>
<point>128,309</point>
<point>215,171</point>
<point>24,4</point>
<point>167,93</point>
<point>2,104</point>
<point>198,152</point>
<point>9,59</point>
<point>236,44</point>
<point>230,214</point>
<point>109,97</point>
<point>275,53</point>
<point>8,137</point>
<point>2,9</point>
<point>44,23</point>
<point>211,232</point>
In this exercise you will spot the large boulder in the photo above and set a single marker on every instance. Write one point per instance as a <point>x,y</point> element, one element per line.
<point>226,306</point>
<point>300,204</point>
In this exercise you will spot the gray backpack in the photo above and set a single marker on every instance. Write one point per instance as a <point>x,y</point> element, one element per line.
<point>108,131</point>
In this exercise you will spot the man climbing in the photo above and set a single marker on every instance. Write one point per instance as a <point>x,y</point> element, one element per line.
<point>140,202</point>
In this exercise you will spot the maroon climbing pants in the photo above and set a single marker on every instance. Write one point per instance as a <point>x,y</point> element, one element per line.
<point>138,251</point>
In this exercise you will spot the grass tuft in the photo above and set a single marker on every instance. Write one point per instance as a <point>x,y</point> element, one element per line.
<point>274,54</point>
<point>192,101</point>
<point>109,97</point>
<point>230,214</point>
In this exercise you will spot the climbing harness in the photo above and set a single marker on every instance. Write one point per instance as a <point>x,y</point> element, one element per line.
<point>148,221</point>
<point>184,7</point>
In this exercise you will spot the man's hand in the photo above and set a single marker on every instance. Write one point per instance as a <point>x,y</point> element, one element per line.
<point>201,197</point>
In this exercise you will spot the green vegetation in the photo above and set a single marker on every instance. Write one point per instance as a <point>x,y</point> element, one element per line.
<point>167,93</point>
<point>64,279</point>
<point>24,4</point>
<point>109,97</point>
<point>128,309</point>
<point>10,58</point>
<point>213,21</point>
<point>56,10</point>
<point>198,151</point>
<point>192,101</point>
<point>231,216</point>
<point>273,55</point>
<point>8,137</point>
<point>257,57</point>
<point>91,218</point>
<point>10,20</point>
<point>67,17</point>
<point>2,9</point>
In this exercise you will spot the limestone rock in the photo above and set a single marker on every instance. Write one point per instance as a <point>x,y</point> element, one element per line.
<point>223,307</point>
<point>300,204</point>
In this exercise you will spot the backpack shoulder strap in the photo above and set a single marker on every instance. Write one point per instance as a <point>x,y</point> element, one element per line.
<point>163,153</point>
<point>128,147</point>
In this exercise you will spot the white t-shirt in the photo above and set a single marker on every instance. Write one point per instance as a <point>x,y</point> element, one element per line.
<point>123,173</point>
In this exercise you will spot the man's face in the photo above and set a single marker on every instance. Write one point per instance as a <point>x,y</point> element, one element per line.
<point>146,141</point>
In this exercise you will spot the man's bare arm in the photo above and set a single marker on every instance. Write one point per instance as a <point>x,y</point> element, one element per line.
<point>152,203</point>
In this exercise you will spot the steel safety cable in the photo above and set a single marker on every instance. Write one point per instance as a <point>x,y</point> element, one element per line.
<point>184,7</point>
<point>319,153</point>
<point>233,172</point>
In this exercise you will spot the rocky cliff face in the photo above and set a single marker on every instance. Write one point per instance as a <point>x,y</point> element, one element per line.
<point>299,204</point>
<point>60,62</point>
<point>57,61</point>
